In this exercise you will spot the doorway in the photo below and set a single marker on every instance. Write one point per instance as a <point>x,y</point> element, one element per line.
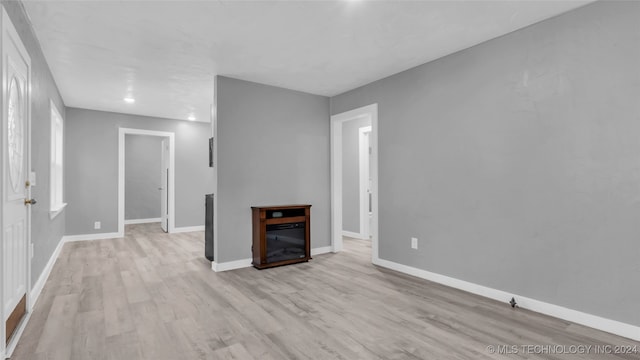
<point>355,177</point>
<point>163,177</point>
<point>367,114</point>
<point>15,192</point>
<point>146,180</point>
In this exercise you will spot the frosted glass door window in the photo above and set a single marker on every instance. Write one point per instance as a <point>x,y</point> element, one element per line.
<point>15,133</point>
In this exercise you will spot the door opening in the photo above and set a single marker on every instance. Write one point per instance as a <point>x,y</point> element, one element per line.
<point>365,172</point>
<point>146,180</point>
<point>160,184</point>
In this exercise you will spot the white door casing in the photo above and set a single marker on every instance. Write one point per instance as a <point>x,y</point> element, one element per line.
<point>16,144</point>
<point>164,183</point>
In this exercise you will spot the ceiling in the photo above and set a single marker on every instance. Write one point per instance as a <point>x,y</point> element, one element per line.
<point>165,54</point>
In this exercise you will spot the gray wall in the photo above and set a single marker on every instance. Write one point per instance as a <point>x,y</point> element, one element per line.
<point>351,174</point>
<point>45,233</point>
<point>273,148</point>
<point>91,168</point>
<point>142,176</point>
<point>517,162</point>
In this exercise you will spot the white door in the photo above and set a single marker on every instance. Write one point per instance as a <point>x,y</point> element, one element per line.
<point>364,160</point>
<point>164,186</point>
<point>369,201</point>
<point>15,187</point>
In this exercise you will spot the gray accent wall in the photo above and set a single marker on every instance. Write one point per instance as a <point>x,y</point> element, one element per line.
<point>46,233</point>
<point>273,149</point>
<point>142,176</point>
<point>516,163</point>
<point>351,174</point>
<point>91,168</point>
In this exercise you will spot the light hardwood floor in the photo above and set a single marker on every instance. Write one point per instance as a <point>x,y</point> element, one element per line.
<point>153,296</point>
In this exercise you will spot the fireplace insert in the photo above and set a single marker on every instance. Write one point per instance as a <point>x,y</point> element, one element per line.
<point>285,241</point>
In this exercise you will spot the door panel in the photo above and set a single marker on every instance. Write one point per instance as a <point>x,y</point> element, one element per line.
<point>364,181</point>
<point>164,186</point>
<point>14,265</point>
<point>369,186</point>
<point>15,153</point>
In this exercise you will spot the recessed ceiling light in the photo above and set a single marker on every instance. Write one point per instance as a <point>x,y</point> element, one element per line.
<point>129,100</point>
<point>191,118</point>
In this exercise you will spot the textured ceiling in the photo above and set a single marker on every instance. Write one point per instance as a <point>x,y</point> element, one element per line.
<point>166,53</point>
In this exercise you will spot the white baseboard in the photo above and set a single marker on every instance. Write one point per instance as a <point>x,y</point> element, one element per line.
<point>353,234</point>
<point>142,221</point>
<point>321,250</point>
<point>42,279</point>
<point>87,237</point>
<point>593,321</point>
<point>231,265</point>
<point>187,229</point>
<point>114,235</point>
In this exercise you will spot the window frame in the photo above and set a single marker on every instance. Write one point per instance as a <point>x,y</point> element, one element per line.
<point>56,164</point>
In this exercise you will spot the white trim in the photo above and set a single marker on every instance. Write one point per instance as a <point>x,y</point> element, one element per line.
<point>172,165</point>
<point>578,317</point>
<point>321,250</point>
<point>185,229</point>
<point>39,285</point>
<point>142,221</point>
<point>91,237</point>
<point>363,180</point>
<point>354,235</point>
<point>336,184</point>
<point>214,132</point>
<point>56,185</point>
<point>231,265</point>
<point>56,211</point>
<point>370,111</point>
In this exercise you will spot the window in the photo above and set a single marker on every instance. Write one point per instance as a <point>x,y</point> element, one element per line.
<point>56,184</point>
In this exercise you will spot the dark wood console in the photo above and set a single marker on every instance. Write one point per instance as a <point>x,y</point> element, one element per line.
<point>281,235</point>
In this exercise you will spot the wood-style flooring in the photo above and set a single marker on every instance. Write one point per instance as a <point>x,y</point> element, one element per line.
<point>152,295</point>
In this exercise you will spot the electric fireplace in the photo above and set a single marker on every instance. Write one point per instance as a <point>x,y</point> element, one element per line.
<point>280,235</point>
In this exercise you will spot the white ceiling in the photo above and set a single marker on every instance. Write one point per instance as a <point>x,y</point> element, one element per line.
<point>166,53</point>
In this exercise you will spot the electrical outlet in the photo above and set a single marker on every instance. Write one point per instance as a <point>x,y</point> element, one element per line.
<point>97,225</point>
<point>414,243</point>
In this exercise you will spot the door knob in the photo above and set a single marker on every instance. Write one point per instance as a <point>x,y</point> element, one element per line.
<point>30,201</point>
